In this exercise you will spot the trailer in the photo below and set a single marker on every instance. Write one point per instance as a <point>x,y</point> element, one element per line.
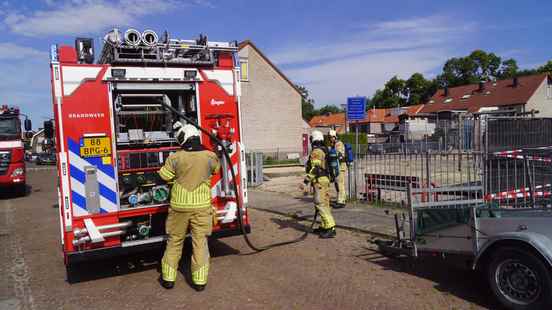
<point>114,120</point>
<point>512,247</point>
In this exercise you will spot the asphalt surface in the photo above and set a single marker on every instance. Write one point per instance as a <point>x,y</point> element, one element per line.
<point>341,273</point>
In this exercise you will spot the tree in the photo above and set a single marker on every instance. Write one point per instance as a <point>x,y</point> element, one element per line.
<point>509,69</point>
<point>332,109</point>
<point>397,92</point>
<point>391,95</point>
<point>487,65</point>
<point>307,103</point>
<point>458,71</point>
<point>418,90</point>
<point>547,68</point>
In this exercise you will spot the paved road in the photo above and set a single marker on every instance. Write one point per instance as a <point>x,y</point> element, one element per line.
<point>343,273</point>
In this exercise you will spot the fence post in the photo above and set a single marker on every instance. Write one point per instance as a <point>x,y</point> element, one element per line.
<point>428,172</point>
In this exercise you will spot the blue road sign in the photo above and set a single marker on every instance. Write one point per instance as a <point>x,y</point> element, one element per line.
<point>356,108</point>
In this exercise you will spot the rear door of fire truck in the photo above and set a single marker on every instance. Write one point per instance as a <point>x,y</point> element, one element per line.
<point>115,132</point>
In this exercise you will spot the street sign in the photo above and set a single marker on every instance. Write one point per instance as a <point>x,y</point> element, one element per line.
<point>356,108</point>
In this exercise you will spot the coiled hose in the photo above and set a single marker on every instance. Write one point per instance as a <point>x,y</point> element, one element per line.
<point>235,186</point>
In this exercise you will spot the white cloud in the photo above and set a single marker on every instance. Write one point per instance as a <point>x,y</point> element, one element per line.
<point>363,61</point>
<point>379,37</point>
<point>13,51</point>
<point>333,82</point>
<point>26,84</point>
<point>84,16</point>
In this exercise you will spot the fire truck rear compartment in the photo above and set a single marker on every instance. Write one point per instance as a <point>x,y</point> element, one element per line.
<point>145,139</point>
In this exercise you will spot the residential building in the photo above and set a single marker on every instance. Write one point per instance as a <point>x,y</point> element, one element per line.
<point>329,121</point>
<point>521,94</point>
<point>378,121</point>
<point>270,105</point>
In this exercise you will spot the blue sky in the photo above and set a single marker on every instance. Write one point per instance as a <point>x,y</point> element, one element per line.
<point>335,48</point>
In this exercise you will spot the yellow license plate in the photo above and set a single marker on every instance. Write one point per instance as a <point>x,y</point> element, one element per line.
<point>95,147</point>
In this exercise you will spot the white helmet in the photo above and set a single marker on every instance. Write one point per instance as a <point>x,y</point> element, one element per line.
<point>317,136</point>
<point>184,132</point>
<point>332,133</point>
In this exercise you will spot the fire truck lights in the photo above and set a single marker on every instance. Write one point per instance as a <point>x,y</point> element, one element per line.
<point>5,110</point>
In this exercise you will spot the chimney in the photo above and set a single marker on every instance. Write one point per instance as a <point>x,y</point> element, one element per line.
<point>515,82</point>
<point>446,91</point>
<point>481,86</point>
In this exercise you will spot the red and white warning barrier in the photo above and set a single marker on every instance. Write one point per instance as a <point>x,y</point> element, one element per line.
<point>541,191</point>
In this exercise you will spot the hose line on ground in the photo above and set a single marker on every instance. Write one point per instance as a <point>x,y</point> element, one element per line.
<point>235,186</point>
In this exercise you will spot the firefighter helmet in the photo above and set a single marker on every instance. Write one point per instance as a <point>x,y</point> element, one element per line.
<point>317,136</point>
<point>184,132</point>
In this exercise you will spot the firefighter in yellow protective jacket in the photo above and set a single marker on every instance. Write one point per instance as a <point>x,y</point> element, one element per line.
<point>340,179</point>
<point>318,176</point>
<point>190,207</point>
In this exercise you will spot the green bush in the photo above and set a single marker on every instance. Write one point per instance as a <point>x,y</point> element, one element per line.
<point>351,139</point>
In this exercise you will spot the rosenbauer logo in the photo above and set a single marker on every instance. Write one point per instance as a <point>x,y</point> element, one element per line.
<point>86,115</point>
<point>216,102</point>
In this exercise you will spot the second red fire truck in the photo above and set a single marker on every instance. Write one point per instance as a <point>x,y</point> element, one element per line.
<point>12,152</point>
<point>113,121</point>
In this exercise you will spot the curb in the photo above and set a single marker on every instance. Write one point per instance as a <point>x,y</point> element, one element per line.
<point>350,228</point>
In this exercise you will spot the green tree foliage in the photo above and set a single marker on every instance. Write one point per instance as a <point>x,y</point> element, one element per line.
<point>307,105</point>
<point>332,109</point>
<point>509,69</point>
<point>476,67</point>
<point>397,92</point>
<point>547,68</point>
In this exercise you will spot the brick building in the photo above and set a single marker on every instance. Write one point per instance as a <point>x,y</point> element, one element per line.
<point>270,105</point>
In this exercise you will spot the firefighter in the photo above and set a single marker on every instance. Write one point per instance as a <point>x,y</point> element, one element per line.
<point>190,207</point>
<point>318,176</point>
<point>340,179</point>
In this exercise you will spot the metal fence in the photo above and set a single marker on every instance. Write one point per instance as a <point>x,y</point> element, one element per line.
<point>254,164</point>
<point>512,133</point>
<point>509,179</point>
<point>384,178</point>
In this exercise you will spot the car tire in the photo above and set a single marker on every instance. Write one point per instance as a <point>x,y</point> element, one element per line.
<point>520,279</point>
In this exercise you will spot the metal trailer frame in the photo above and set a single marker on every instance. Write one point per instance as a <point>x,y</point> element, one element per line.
<point>478,237</point>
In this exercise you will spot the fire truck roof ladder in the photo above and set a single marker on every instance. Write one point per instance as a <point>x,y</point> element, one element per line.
<point>145,48</point>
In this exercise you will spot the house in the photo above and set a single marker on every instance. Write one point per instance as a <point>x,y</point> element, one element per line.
<point>413,125</point>
<point>270,105</point>
<point>520,94</point>
<point>378,121</point>
<point>329,121</point>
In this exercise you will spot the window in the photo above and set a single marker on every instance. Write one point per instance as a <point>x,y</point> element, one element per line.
<point>244,69</point>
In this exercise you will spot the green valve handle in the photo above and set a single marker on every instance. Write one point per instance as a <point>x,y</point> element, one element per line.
<point>160,194</point>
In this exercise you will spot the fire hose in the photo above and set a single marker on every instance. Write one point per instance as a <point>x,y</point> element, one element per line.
<point>226,155</point>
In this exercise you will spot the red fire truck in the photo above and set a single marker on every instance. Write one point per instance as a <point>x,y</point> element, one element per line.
<point>12,153</point>
<point>113,121</point>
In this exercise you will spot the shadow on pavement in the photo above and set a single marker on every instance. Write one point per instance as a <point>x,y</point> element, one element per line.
<point>449,279</point>
<point>124,265</point>
<point>12,192</point>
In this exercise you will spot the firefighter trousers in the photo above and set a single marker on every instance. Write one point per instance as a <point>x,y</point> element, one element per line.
<point>342,192</point>
<point>199,222</point>
<point>323,203</point>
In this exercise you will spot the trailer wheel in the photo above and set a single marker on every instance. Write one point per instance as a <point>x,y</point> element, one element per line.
<point>520,280</point>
